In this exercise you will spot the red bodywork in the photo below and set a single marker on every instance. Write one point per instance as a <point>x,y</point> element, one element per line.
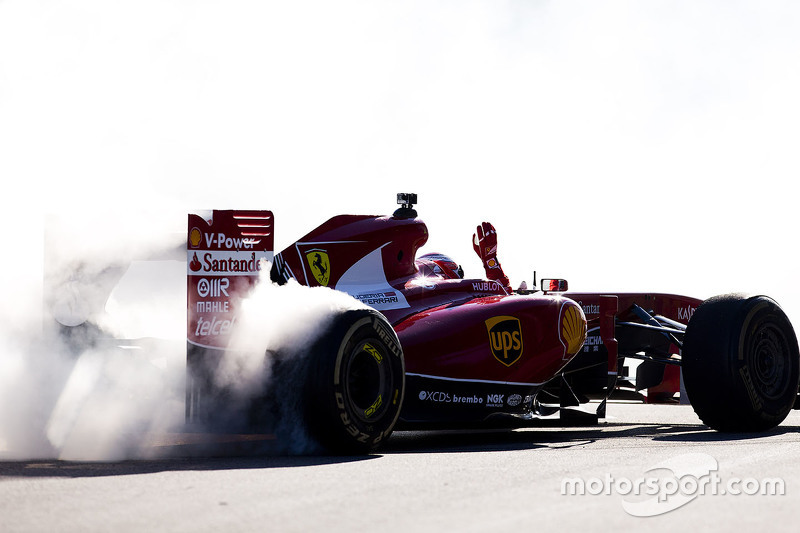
<point>471,349</point>
<point>674,307</point>
<point>224,254</point>
<point>467,343</point>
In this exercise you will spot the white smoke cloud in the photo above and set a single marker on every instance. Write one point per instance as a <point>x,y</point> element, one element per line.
<point>285,319</point>
<point>82,393</point>
<point>94,362</point>
<point>653,142</point>
<point>114,402</point>
<point>277,325</point>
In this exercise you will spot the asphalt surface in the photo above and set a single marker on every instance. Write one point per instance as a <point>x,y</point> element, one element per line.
<point>443,481</point>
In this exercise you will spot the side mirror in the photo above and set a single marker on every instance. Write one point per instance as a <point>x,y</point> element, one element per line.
<point>555,285</point>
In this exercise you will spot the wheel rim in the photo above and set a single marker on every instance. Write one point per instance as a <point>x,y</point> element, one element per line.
<point>769,361</point>
<point>368,381</point>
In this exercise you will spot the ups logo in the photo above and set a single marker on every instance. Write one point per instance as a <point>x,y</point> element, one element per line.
<point>505,338</point>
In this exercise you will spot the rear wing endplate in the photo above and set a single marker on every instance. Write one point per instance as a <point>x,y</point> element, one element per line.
<point>225,256</point>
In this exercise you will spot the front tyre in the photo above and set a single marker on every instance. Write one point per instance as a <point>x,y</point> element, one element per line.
<point>741,364</point>
<point>355,384</point>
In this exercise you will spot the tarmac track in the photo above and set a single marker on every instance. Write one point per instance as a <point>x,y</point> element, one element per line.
<point>435,481</point>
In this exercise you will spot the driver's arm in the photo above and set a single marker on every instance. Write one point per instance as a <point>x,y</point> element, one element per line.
<point>484,241</point>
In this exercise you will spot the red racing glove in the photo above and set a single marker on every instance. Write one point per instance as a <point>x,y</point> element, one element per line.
<point>484,241</point>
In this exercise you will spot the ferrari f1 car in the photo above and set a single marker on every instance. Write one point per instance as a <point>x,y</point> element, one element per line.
<point>430,349</point>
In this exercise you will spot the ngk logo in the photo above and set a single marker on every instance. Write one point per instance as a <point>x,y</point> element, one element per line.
<point>213,288</point>
<point>494,400</point>
<point>505,338</point>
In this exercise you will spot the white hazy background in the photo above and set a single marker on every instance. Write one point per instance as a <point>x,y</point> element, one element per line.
<point>625,146</point>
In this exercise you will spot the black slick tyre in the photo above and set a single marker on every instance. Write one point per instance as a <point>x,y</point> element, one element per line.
<point>355,383</point>
<point>741,364</point>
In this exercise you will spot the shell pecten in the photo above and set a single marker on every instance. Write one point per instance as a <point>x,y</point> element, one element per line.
<point>573,328</point>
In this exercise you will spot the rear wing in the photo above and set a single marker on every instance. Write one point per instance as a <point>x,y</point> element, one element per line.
<point>225,254</point>
<point>224,259</point>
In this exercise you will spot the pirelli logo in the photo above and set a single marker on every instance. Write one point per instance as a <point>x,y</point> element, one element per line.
<point>505,338</point>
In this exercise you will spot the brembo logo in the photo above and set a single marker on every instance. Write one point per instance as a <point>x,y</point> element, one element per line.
<point>505,338</point>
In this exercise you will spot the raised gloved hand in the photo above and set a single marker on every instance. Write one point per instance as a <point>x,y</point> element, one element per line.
<point>484,241</point>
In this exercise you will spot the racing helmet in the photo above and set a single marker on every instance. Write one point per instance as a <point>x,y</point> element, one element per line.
<point>440,265</point>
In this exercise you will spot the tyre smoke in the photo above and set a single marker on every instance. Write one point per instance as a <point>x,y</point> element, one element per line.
<point>94,366</point>
<point>100,373</point>
<point>266,359</point>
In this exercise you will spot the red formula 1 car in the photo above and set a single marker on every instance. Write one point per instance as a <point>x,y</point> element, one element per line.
<point>434,350</point>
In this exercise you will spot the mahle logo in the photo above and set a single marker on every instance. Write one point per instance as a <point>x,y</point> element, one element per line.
<point>505,338</point>
<point>320,266</point>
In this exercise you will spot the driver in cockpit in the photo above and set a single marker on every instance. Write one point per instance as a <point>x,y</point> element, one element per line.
<point>484,242</point>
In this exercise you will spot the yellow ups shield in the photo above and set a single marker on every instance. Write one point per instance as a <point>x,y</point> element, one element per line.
<point>320,266</point>
<point>505,338</point>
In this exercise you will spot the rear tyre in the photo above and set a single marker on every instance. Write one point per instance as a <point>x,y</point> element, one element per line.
<point>741,364</point>
<point>355,385</point>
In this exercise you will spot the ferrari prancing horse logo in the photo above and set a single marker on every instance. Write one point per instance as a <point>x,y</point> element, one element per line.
<point>505,338</point>
<point>320,266</point>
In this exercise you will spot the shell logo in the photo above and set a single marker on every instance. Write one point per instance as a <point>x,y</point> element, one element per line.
<point>195,236</point>
<point>573,328</point>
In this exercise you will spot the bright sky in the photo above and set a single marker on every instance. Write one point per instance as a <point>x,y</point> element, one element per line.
<point>621,145</point>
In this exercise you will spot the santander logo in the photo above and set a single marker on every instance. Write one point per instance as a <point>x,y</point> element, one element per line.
<point>195,264</point>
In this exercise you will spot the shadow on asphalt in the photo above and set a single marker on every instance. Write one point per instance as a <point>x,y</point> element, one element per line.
<point>562,437</point>
<point>528,438</point>
<point>706,435</point>
<point>227,457</point>
<point>70,469</point>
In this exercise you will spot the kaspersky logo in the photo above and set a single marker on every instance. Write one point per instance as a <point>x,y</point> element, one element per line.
<point>505,338</point>
<point>320,266</point>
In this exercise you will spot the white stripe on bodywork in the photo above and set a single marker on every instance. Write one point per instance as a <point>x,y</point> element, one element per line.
<point>367,277</point>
